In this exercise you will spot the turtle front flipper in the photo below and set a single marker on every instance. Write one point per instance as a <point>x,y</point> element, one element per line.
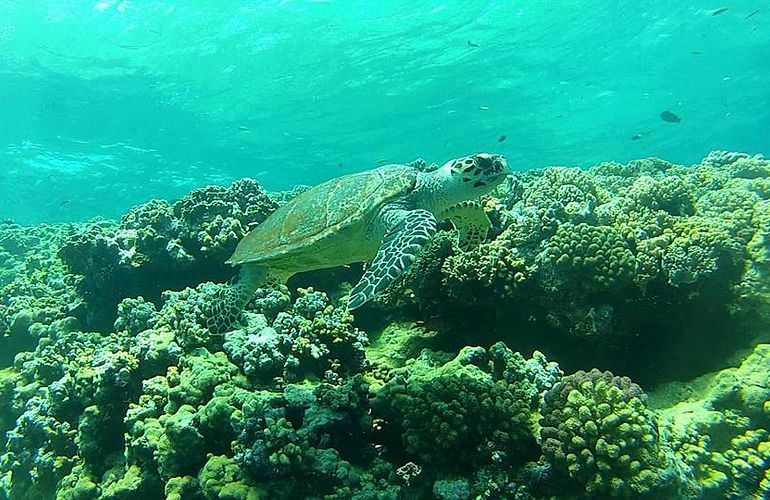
<point>470,221</point>
<point>399,248</point>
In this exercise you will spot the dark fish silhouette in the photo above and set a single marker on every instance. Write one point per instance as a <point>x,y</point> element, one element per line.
<point>636,137</point>
<point>720,11</point>
<point>502,138</point>
<point>752,14</point>
<point>668,116</point>
<point>472,44</point>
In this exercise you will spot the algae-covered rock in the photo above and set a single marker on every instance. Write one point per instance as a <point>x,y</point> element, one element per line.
<point>717,424</point>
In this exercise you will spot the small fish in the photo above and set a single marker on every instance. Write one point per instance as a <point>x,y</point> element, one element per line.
<point>244,128</point>
<point>696,52</point>
<point>670,117</point>
<point>752,14</point>
<point>484,108</point>
<point>636,137</point>
<point>64,202</point>
<point>720,11</point>
<point>502,138</point>
<point>472,44</point>
<point>382,161</point>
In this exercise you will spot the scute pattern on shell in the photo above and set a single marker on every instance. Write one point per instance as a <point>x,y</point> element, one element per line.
<point>322,210</point>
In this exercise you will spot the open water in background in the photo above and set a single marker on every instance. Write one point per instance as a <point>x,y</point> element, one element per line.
<point>106,104</point>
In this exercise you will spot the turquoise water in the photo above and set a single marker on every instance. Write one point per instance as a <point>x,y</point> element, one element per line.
<point>109,103</point>
<point>575,305</point>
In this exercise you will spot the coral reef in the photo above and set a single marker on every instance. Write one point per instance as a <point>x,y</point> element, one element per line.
<point>471,411</point>
<point>34,285</point>
<point>617,255</point>
<point>139,411</point>
<point>161,246</point>
<point>597,430</point>
<point>123,374</point>
<point>718,426</point>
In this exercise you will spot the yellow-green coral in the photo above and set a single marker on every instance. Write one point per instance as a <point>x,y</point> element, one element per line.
<point>699,248</point>
<point>596,256</point>
<point>719,429</point>
<point>222,479</point>
<point>495,268</point>
<point>464,412</point>
<point>597,430</point>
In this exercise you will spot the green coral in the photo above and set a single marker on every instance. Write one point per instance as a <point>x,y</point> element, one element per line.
<point>306,433</point>
<point>9,377</point>
<point>497,268</point>
<point>135,315</point>
<point>34,285</point>
<point>569,193</point>
<point>597,430</point>
<point>700,247</point>
<point>311,338</point>
<point>461,413</point>
<point>199,316</point>
<point>597,256</point>
<point>160,246</point>
<point>73,390</point>
<point>222,479</point>
<point>717,425</point>
<point>671,194</point>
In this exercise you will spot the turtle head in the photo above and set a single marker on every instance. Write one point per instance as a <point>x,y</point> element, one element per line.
<point>473,176</point>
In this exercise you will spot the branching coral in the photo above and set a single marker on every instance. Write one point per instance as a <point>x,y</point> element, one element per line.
<point>471,411</point>
<point>310,338</point>
<point>159,246</point>
<point>597,430</point>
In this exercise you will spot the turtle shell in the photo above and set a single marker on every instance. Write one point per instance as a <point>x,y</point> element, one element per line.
<point>321,225</point>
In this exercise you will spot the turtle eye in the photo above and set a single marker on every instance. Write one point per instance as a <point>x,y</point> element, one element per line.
<point>486,164</point>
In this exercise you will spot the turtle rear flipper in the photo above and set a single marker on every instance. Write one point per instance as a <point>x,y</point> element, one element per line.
<point>398,250</point>
<point>235,297</point>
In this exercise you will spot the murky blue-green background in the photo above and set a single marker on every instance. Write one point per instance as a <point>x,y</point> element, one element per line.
<point>108,103</point>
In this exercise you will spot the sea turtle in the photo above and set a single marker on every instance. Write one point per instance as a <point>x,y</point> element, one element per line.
<point>385,215</point>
